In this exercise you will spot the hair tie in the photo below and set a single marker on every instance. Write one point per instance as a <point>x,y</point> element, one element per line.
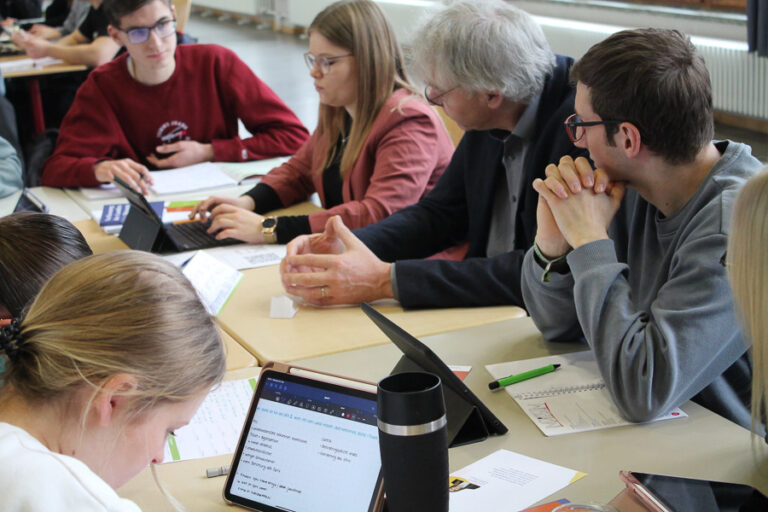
<point>11,339</point>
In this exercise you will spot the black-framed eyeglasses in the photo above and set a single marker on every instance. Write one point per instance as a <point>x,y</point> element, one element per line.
<point>436,99</point>
<point>323,63</point>
<point>574,126</point>
<point>163,29</point>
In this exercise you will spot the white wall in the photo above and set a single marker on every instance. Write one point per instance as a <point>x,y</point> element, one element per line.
<point>405,13</point>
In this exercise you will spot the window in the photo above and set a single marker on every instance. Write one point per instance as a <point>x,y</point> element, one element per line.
<point>722,5</point>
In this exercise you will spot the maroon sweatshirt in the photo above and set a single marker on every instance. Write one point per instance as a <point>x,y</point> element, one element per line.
<point>114,116</point>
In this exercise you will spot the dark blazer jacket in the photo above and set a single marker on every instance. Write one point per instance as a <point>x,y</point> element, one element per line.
<point>459,210</point>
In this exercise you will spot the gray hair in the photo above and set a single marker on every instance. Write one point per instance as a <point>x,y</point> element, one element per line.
<point>483,45</point>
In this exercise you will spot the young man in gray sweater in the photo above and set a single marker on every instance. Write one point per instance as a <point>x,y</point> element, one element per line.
<point>628,255</point>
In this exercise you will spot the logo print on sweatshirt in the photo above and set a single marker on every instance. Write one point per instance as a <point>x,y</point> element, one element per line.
<point>173,131</point>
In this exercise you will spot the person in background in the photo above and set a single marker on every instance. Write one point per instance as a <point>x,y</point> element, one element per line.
<point>89,45</point>
<point>14,10</point>
<point>53,241</point>
<point>163,105</point>
<point>91,394</point>
<point>378,146</point>
<point>490,67</point>
<point>10,169</point>
<point>628,253</point>
<point>747,268</point>
<point>54,29</point>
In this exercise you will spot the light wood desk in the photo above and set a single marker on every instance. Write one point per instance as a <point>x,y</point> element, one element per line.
<point>33,84</point>
<point>704,445</point>
<point>315,332</point>
<point>312,332</point>
<point>56,199</point>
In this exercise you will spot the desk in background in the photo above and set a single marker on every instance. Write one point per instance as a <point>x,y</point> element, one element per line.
<point>703,445</point>
<point>315,332</point>
<point>312,332</point>
<point>33,84</point>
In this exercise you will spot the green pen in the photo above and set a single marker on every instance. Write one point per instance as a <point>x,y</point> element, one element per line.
<point>514,379</point>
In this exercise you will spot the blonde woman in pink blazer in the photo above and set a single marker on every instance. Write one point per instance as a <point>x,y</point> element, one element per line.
<point>378,146</point>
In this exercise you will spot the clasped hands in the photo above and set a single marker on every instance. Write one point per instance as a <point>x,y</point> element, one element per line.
<point>576,205</point>
<point>334,267</point>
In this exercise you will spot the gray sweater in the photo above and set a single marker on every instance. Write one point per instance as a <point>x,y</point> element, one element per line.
<point>654,303</point>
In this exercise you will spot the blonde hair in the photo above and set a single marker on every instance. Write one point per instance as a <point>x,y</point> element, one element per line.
<point>120,312</point>
<point>360,27</point>
<point>748,272</point>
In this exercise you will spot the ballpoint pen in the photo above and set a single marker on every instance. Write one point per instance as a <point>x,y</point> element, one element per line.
<point>513,379</point>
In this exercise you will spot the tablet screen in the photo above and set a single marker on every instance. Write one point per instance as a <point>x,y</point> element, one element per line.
<point>307,445</point>
<point>684,494</point>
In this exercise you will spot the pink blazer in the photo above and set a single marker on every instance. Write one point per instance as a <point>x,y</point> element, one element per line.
<point>405,153</point>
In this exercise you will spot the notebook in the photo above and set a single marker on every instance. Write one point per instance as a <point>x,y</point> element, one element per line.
<point>574,398</point>
<point>209,175</point>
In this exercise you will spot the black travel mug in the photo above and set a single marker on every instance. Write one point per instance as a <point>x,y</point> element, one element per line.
<point>413,442</point>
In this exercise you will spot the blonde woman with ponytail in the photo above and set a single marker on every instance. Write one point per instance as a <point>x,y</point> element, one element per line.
<point>747,266</point>
<point>378,146</point>
<point>114,354</point>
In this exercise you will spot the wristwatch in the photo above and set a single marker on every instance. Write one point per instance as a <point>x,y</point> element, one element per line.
<point>268,226</point>
<point>558,265</point>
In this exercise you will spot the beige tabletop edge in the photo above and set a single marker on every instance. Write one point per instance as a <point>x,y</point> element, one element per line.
<point>703,445</point>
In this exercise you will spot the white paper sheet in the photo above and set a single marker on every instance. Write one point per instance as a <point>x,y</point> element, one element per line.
<point>203,176</point>
<point>506,480</point>
<point>12,66</point>
<point>214,280</point>
<point>105,191</point>
<point>239,257</point>
<point>215,428</point>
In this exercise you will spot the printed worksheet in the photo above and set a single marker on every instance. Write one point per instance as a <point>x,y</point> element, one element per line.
<point>506,480</point>
<point>215,428</point>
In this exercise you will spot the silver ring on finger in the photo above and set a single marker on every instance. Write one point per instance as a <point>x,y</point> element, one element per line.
<point>322,291</point>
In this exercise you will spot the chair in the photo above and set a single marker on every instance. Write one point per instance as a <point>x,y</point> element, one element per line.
<point>183,8</point>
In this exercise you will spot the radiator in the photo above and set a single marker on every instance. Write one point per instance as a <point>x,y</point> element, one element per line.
<point>739,78</point>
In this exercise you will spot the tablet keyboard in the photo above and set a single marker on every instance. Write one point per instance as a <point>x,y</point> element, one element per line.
<point>193,235</point>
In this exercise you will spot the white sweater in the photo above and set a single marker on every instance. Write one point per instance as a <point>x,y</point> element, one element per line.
<point>35,478</point>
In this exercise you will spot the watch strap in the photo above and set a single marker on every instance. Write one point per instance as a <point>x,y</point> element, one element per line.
<point>557,265</point>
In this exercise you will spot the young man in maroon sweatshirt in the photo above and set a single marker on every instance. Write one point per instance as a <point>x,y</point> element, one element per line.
<point>161,106</point>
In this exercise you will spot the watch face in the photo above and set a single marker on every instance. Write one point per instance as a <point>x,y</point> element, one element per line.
<point>268,223</point>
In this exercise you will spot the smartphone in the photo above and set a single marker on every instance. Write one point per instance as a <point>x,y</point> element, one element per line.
<point>663,493</point>
<point>29,202</point>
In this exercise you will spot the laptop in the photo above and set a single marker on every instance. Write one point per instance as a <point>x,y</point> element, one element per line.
<point>469,420</point>
<point>144,230</point>
<point>310,442</point>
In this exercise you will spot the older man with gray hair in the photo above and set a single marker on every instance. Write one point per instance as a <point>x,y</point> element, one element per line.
<point>488,64</point>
